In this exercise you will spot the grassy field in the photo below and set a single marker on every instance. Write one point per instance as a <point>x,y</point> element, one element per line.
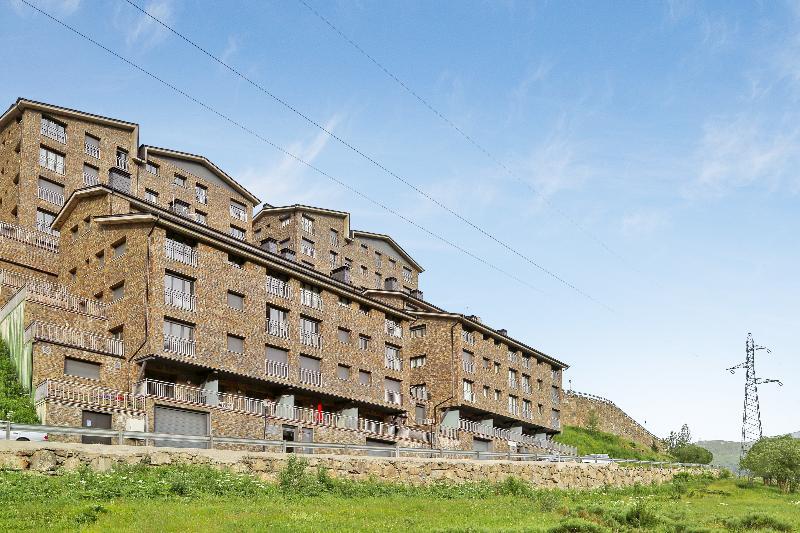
<point>588,442</point>
<point>200,499</point>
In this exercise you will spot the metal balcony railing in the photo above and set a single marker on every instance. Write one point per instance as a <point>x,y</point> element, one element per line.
<point>50,196</point>
<point>90,180</point>
<point>180,252</point>
<point>393,397</point>
<point>56,295</point>
<point>38,239</point>
<point>201,196</point>
<point>122,162</point>
<point>88,395</point>
<point>469,396</point>
<point>278,328</point>
<point>84,340</point>
<point>92,150</point>
<point>467,337</point>
<point>279,288</point>
<point>179,345</point>
<point>180,299</point>
<point>311,299</point>
<point>309,338</point>
<point>55,132</point>
<point>512,383</point>
<point>512,357</point>
<point>199,396</point>
<point>469,367</point>
<point>393,329</point>
<point>393,363</point>
<point>238,213</point>
<point>308,250</point>
<point>276,369</point>
<point>310,377</point>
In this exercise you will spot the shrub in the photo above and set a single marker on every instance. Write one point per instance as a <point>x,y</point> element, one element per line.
<point>691,453</point>
<point>577,525</point>
<point>16,405</point>
<point>776,460</point>
<point>757,521</point>
<point>640,515</point>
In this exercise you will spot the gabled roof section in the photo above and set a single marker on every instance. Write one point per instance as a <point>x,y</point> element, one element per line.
<point>23,103</point>
<point>144,150</point>
<point>391,242</point>
<point>272,210</point>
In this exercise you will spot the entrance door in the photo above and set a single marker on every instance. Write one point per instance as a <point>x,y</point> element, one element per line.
<point>288,436</point>
<point>180,422</point>
<point>93,420</point>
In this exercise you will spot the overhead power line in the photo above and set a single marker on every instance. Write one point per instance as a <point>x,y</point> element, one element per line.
<point>496,160</point>
<point>369,158</point>
<point>277,147</point>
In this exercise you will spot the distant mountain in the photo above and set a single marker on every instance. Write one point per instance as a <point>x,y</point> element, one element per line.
<point>796,434</point>
<point>726,453</point>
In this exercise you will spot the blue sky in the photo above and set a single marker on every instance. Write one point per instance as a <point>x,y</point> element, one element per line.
<point>665,132</point>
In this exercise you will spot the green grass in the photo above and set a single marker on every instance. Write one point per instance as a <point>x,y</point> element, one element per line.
<point>588,442</point>
<point>144,499</point>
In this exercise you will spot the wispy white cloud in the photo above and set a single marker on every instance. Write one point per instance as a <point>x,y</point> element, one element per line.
<point>145,32</point>
<point>644,222</point>
<point>230,48</point>
<point>288,181</point>
<point>58,7</point>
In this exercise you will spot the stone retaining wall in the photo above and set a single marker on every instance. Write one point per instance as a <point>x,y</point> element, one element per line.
<point>59,457</point>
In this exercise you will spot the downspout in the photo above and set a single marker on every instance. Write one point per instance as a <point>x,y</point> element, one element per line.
<point>146,300</point>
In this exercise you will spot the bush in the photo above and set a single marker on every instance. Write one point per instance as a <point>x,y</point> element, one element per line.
<point>757,521</point>
<point>776,460</point>
<point>691,453</point>
<point>640,515</point>
<point>16,405</point>
<point>577,525</point>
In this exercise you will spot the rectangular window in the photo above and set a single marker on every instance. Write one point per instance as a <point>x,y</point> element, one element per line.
<point>378,280</point>
<point>44,221</point>
<point>152,168</point>
<point>310,363</point>
<point>118,249</point>
<point>417,362</point>
<point>363,342</point>
<point>91,146</point>
<point>343,372</point>
<point>54,130</point>
<point>378,261</point>
<point>238,211</point>
<point>406,274</point>
<point>467,387</point>
<point>151,196</point>
<point>286,221</point>
<point>122,159</point>
<point>235,344</point>
<point>344,302</point>
<point>497,395</point>
<point>485,391</point>
<point>201,218</point>
<point>180,207</point>
<point>201,194</point>
<point>334,259</point>
<point>364,271</point>
<point>334,238</point>
<point>178,330</point>
<point>278,355</point>
<point>497,368</point>
<point>307,224</point>
<point>236,261</point>
<point>419,414</point>
<point>51,192</point>
<point>344,336</point>
<point>270,245</point>
<point>364,377</point>
<point>118,291</point>
<point>51,160</point>
<point>307,247</point>
<point>418,332</point>
<point>235,301</point>
<point>81,369</point>
<point>179,181</point>
<point>91,175</point>
<point>237,233</point>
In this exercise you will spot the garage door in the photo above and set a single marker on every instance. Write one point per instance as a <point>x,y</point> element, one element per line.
<point>180,422</point>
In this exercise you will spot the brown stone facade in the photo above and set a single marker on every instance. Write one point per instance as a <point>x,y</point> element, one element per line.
<point>143,282</point>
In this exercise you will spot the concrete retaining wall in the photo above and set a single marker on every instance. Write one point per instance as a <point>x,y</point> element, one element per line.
<point>60,457</point>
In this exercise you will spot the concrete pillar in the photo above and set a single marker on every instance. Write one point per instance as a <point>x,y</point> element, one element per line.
<point>285,405</point>
<point>349,418</point>
<point>450,418</point>
<point>211,386</point>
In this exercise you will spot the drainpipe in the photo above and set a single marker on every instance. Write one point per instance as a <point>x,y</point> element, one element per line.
<point>148,256</point>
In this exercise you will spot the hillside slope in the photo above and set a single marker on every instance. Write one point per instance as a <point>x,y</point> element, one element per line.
<point>589,442</point>
<point>726,452</point>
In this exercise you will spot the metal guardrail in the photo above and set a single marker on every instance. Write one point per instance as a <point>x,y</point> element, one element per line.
<point>396,451</point>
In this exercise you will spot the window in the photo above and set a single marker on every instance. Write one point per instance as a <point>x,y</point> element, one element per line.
<point>54,130</point>
<point>237,233</point>
<point>307,247</point>
<point>486,363</point>
<point>118,248</point>
<point>201,218</point>
<point>101,258</point>
<point>407,274</point>
<point>238,211</point>
<point>278,355</point>
<point>378,280</point>
<point>364,271</point>
<point>343,372</point>
<point>179,181</point>
<point>364,377</point>
<point>152,168</point>
<point>555,374</point>
<point>91,175</point>
<point>270,245</point>
<point>44,221</point>
<point>418,332</point>
<point>344,302</point>
<point>419,392</point>
<point>418,361</point>
<point>334,238</point>
<point>497,395</point>
<point>122,159</point>
<point>279,316</point>
<point>497,368</point>
<point>180,207</point>
<point>73,274</point>
<point>117,332</point>
<point>51,160</point>
<point>512,404</point>
<point>286,221</point>
<point>512,378</point>
<point>150,196</point>
<point>236,261</point>
<point>363,342</point>
<point>540,409</point>
<point>344,335</point>
<point>419,414</point>
<point>51,192</point>
<point>485,391</point>
<point>92,146</point>
<point>178,330</point>
<point>334,259</point>
<point>235,344</point>
<point>363,309</point>
<point>81,369</point>
<point>201,194</point>
<point>538,384</point>
<point>307,224</point>
<point>348,262</point>
<point>235,301</point>
<point>467,386</point>
<point>378,261</point>
<point>118,291</point>
<point>526,408</point>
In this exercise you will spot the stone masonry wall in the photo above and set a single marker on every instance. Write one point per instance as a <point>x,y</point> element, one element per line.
<point>60,457</point>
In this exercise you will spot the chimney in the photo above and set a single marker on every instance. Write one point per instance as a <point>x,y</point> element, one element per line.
<point>475,318</point>
<point>503,332</point>
<point>416,293</point>
<point>288,253</point>
<point>390,284</point>
<point>342,274</point>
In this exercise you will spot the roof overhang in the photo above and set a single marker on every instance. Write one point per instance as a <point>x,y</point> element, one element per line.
<point>288,209</point>
<point>23,103</point>
<point>358,233</point>
<point>146,150</point>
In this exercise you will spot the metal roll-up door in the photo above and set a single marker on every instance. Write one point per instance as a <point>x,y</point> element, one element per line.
<point>180,422</point>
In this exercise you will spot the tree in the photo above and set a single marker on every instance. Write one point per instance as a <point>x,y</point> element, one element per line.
<point>691,453</point>
<point>776,460</point>
<point>682,438</point>
<point>592,421</point>
<point>15,404</point>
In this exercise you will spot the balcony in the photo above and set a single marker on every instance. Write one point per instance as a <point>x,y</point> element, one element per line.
<point>393,329</point>
<point>469,367</point>
<point>201,196</point>
<point>278,328</point>
<point>199,396</point>
<point>122,162</point>
<point>180,209</point>
<point>512,383</point>
<point>57,296</point>
<point>393,397</point>
<point>471,426</point>
<point>50,196</point>
<point>469,396</point>
<point>512,357</point>
<point>88,395</point>
<point>309,338</point>
<point>38,239</point>
<point>311,299</point>
<point>84,340</point>
<point>526,387</point>
<point>180,299</point>
<point>276,369</point>
<point>54,132</point>
<point>393,363</point>
<point>467,337</point>
<point>92,150</point>
<point>182,253</point>
<point>526,362</point>
<point>310,251</point>
<point>279,288</point>
<point>118,182</point>
<point>307,376</point>
<point>238,213</point>
<point>90,180</point>
<point>179,345</point>
<point>307,225</point>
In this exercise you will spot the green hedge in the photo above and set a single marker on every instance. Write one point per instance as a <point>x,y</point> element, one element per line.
<point>15,403</point>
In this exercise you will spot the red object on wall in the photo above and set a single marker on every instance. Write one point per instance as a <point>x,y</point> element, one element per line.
<point>319,412</point>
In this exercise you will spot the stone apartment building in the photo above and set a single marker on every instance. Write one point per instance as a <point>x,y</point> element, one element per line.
<point>139,292</point>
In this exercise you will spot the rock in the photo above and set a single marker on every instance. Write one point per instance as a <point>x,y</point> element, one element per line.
<point>12,461</point>
<point>101,464</point>
<point>43,461</point>
<point>160,458</point>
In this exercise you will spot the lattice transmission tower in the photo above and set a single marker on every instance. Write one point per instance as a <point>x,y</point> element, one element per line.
<point>751,418</point>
